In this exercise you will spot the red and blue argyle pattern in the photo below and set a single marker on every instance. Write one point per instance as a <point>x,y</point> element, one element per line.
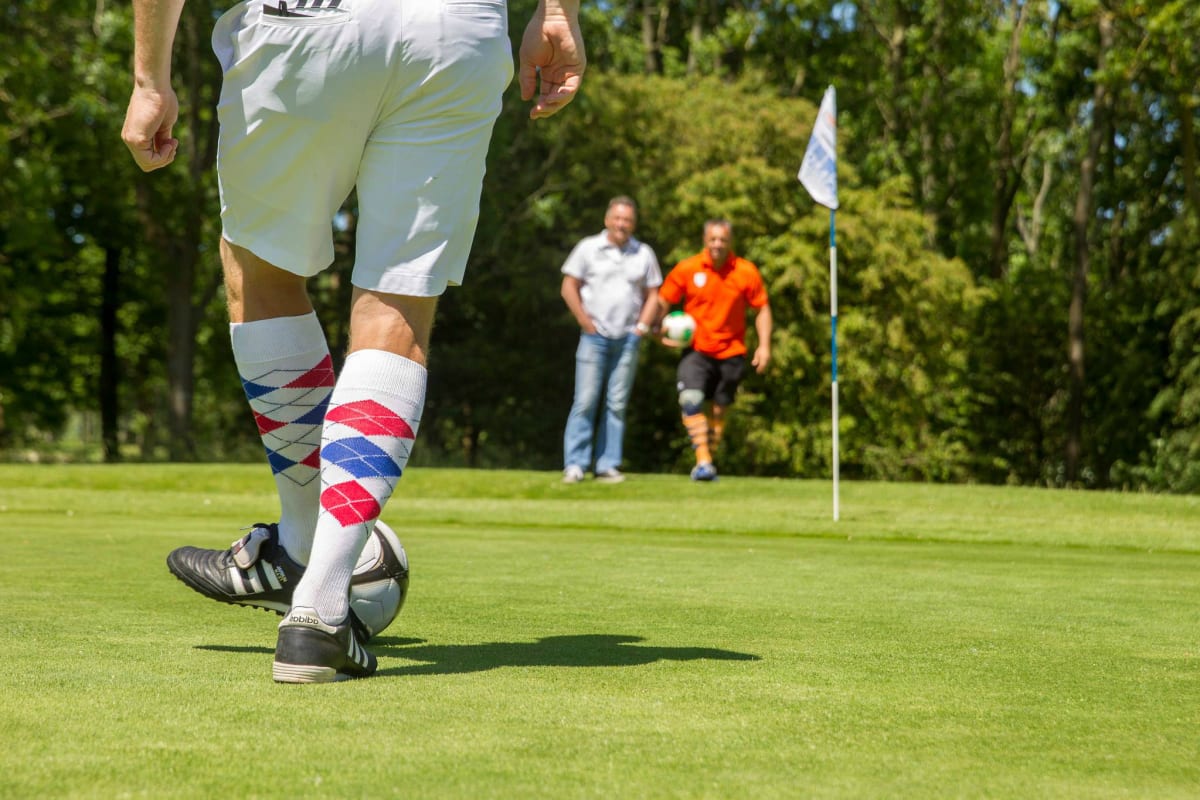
<point>366,445</point>
<point>289,408</point>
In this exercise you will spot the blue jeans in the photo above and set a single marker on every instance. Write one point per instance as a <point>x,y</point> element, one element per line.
<point>600,364</point>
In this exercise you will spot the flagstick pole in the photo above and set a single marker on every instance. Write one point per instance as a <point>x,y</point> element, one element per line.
<point>833,312</point>
<point>818,174</point>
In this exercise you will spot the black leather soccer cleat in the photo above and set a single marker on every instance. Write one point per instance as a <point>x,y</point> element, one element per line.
<point>311,651</point>
<point>255,570</point>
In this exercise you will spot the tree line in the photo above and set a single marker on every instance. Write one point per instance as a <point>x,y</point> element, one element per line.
<point>1017,238</point>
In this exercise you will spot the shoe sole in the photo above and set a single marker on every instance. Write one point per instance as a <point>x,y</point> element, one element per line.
<point>304,673</point>
<point>278,609</point>
<point>305,655</point>
<point>200,587</point>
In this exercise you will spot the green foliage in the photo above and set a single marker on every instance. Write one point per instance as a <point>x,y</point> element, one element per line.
<point>1172,462</point>
<point>77,197</point>
<point>57,214</point>
<point>965,128</point>
<point>689,151</point>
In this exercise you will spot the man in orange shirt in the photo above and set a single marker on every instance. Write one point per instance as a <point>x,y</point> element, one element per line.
<point>716,288</point>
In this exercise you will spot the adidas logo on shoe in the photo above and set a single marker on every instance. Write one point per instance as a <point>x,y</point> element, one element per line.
<point>311,650</point>
<point>255,571</point>
<point>304,619</point>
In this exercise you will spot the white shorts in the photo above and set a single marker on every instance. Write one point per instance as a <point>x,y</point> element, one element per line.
<point>394,97</point>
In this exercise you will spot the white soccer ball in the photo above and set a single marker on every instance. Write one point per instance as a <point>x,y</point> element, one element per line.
<point>679,327</point>
<point>379,583</point>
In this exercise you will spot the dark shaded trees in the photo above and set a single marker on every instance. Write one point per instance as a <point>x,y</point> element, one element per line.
<point>1022,213</point>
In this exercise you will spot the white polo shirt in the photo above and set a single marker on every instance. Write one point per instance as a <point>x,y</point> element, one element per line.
<point>614,281</point>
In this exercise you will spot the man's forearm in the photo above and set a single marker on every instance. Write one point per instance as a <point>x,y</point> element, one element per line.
<point>574,300</point>
<point>154,24</point>
<point>661,307</point>
<point>763,325</point>
<point>649,313</point>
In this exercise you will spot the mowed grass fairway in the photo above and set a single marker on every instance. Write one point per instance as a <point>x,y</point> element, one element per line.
<point>652,639</point>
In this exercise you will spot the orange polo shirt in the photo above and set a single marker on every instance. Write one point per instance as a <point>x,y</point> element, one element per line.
<point>717,298</point>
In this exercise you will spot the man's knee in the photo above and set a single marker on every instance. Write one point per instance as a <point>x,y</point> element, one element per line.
<point>691,401</point>
<point>399,324</point>
<point>587,395</point>
<point>256,289</point>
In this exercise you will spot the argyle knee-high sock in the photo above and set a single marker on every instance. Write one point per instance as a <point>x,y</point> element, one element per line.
<point>287,373</point>
<point>369,431</point>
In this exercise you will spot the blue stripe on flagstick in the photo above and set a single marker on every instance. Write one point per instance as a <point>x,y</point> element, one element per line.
<point>833,339</point>
<point>833,315</point>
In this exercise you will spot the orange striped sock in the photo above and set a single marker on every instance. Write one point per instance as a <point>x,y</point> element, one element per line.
<point>697,428</point>
<point>718,430</point>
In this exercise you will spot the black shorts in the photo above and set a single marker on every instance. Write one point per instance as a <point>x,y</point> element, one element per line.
<point>718,378</point>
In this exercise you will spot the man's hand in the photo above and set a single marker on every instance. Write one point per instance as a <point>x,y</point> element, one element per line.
<point>552,51</point>
<point>762,356</point>
<point>148,122</point>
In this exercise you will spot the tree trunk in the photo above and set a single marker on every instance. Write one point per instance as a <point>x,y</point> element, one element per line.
<point>1008,167</point>
<point>697,36</point>
<point>1084,202</point>
<point>1031,231</point>
<point>931,85</point>
<point>889,101</point>
<point>661,33</point>
<point>1187,131</point>
<point>200,86</point>
<point>470,439</point>
<point>181,354</point>
<point>109,377</point>
<point>649,49</point>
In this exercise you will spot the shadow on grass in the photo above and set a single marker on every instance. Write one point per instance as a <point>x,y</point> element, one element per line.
<point>391,641</point>
<point>583,650</point>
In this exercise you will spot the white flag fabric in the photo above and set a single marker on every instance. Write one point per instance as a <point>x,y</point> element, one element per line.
<point>818,171</point>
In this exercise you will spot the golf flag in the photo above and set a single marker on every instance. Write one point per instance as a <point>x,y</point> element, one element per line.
<point>818,171</point>
<point>818,174</point>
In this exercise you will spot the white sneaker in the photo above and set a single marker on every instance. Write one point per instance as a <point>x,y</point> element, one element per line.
<point>613,475</point>
<point>572,474</point>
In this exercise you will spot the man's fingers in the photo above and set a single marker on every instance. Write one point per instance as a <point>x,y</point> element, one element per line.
<point>147,130</point>
<point>150,157</point>
<point>564,91</point>
<point>555,97</point>
<point>552,62</point>
<point>165,154</point>
<point>528,77</point>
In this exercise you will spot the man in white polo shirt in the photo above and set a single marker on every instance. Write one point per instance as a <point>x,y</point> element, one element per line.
<point>609,283</point>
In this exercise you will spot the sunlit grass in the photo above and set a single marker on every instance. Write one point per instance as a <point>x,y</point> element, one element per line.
<point>652,639</point>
